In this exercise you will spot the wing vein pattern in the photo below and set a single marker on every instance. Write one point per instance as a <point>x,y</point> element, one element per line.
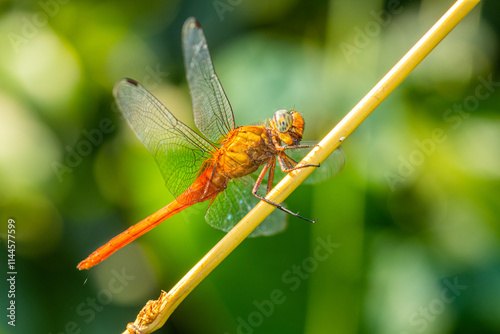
<point>177,149</point>
<point>213,115</point>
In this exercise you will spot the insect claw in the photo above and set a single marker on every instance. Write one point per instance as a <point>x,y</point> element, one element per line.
<point>303,218</point>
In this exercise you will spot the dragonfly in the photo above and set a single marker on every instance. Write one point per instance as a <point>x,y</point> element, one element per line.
<point>222,164</point>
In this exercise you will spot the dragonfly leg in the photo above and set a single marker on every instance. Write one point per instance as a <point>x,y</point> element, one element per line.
<point>270,178</point>
<point>280,147</point>
<point>291,147</point>
<point>272,163</point>
<point>287,164</point>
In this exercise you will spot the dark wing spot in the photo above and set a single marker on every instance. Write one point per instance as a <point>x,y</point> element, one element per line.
<point>132,81</point>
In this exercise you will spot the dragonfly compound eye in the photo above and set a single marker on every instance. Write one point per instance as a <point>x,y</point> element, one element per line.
<point>283,120</point>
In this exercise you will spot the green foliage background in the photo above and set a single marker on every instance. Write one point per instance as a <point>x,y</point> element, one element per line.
<point>412,219</point>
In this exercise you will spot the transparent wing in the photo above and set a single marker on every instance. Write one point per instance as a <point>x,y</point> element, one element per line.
<point>327,169</point>
<point>213,115</point>
<point>235,202</point>
<point>178,150</point>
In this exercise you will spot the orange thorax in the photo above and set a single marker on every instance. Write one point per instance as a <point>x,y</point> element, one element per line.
<point>244,150</point>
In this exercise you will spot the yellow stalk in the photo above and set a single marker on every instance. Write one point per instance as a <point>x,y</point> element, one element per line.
<point>156,313</point>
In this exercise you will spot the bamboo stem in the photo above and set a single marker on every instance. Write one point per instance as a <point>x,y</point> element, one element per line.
<point>156,313</point>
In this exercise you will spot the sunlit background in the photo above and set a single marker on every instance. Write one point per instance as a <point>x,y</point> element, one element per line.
<point>407,239</point>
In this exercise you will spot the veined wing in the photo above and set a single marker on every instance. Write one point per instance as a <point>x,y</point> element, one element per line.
<point>230,206</point>
<point>327,169</point>
<point>178,150</point>
<point>213,115</point>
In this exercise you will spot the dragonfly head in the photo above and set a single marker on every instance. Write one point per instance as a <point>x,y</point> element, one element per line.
<point>289,126</point>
